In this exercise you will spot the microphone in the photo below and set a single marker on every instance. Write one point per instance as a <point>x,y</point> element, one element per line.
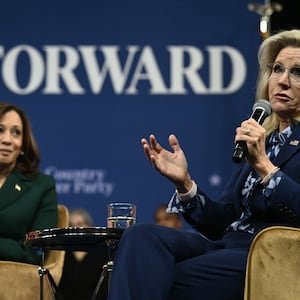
<point>261,109</point>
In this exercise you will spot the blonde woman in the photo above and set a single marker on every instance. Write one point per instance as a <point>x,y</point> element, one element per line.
<point>161,263</point>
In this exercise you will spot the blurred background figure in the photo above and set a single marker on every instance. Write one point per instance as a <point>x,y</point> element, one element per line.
<point>82,269</point>
<point>79,217</point>
<point>161,217</point>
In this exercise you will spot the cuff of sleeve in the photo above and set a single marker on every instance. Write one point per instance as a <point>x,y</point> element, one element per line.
<point>273,183</point>
<point>190,194</point>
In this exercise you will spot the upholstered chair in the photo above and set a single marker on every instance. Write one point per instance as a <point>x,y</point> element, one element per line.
<point>273,267</point>
<point>21,281</point>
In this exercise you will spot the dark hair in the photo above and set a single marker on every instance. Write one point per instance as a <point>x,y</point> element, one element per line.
<point>29,161</point>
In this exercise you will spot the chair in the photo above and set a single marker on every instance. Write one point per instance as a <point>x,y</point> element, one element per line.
<point>21,281</point>
<point>273,266</point>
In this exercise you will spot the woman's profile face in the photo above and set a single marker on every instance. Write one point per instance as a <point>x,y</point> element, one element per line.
<point>284,83</point>
<point>11,138</point>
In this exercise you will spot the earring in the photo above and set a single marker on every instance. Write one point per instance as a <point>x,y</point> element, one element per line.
<point>22,153</point>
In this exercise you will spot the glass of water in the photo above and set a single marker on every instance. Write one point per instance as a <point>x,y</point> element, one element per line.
<point>121,215</point>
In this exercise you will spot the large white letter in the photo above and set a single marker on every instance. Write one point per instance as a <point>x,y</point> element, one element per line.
<point>36,69</point>
<point>216,63</point>
<point>179,72</point>
<point>148,63</point>
<point>110,65</point>
<point>65,72</point>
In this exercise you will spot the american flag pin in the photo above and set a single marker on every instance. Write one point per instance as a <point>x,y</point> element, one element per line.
<point>18,188</point>
<point>294,142</point>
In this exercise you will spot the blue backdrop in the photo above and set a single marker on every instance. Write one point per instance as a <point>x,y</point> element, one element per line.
<point>97,76</point>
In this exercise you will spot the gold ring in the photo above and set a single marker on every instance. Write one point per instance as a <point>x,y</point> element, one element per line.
<point>248,131</point>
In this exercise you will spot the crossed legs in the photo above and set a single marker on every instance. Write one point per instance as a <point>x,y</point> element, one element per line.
<point>156,262</point>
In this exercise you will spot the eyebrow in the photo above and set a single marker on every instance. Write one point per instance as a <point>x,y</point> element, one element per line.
<point>13,126</point>
<point>280,63</point>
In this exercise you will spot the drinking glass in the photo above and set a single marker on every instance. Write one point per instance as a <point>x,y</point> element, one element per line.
<point>121,215</point>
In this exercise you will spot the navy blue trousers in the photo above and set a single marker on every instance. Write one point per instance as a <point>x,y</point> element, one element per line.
<point>158,263</point>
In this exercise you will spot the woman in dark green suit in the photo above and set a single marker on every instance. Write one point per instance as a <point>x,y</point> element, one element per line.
<point>28,199</point>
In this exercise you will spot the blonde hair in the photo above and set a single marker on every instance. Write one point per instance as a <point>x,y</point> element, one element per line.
<point>267,53</point>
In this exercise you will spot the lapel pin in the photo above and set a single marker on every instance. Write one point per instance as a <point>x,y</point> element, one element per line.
<point>17,187</point>
<point>294,142</point>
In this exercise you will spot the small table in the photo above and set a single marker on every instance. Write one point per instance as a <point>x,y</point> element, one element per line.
<point>74,239</point>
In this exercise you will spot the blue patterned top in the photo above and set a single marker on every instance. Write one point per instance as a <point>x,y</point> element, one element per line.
<point>275,141</point>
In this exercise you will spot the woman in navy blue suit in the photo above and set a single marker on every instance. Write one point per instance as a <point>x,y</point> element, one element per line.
<point>159,263</point>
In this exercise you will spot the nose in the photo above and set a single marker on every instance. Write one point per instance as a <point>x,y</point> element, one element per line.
<point>284,78</point>
<point>5,137</point>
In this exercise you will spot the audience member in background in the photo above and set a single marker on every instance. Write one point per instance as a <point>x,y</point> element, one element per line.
<point>82,269</point>
<point>28,200</point>
<point>161,217</point>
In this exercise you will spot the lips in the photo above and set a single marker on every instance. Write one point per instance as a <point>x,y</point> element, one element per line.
<point>5,152</point>
<point>283,96</point>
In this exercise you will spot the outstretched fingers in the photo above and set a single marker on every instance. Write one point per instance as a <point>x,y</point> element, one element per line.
<point>151,148</point>
<point>173,141</point>
<point>154,144</point>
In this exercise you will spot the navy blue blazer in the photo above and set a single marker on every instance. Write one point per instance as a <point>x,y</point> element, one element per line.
<point>281,208</point>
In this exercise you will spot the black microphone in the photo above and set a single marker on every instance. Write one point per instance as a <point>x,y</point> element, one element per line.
<point>261,109</point>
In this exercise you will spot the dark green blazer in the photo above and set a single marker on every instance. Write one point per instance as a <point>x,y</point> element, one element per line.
<point>26,205</point>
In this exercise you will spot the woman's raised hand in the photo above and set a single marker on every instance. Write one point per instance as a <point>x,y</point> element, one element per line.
<point>172,165</point>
